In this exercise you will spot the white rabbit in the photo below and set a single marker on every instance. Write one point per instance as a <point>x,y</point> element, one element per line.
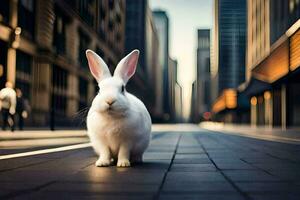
<point>118,123</point>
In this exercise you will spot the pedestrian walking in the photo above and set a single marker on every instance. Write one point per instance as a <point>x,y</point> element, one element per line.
<point>22,108</point>
<point>8,105</point>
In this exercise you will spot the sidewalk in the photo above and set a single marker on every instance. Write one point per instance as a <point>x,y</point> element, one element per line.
<point>178,165</point>
<point>33,134</point>
<point>266,133</point>
<point>19,141</point>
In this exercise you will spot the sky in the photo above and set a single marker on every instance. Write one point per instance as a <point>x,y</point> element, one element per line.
<point>185,17</point>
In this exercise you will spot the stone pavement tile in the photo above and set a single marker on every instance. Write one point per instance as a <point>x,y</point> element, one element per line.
<point>263,160</point>
<point>189,146</point>
<point>7,188</point>
<point>193,167</point>
<point>294,158</point>
<point>161,149</point>
<point>190,156</point>
<point>24,176</point>
<point>105,176</point>
<point>227,150</point>
<point>180,196</point>
<point>191,141</point>
<point>297,184</point>
<point>19,185</point>
<point>281,154</point>
<point>106,188</point>
<point>147,165</point>
<point>266,187</point>
<point>20,162</point>
<point>82,196</point>
<point>252,155</point>
<point>222,186</point>
<point>188,142</point>
<point>187,150</point>
<point>157,144</point>
<point>58,155</point>
<point>192,177</point>
<point>86,153</point>
<point>249,175</point>
<point>228,161</point>
<point>286,175</point>
<point>236,155</point>
<point>218,151</point>
<point>166,141</point>
<point>223,155</point>
<point>233,166</point>
<point>192,161</point>
<point>157,156</point>
<point>65,165</point>
<point>272,196</point>
<point>278,166</point>
<point>4,193</point>
<point>215,146</point>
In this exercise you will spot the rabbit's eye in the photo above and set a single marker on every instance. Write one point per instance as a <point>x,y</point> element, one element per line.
<point>123,89</point>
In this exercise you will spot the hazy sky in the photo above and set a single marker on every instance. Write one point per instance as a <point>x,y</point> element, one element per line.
<point>185,17</point>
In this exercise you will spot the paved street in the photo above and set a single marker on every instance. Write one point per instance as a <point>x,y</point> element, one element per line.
<point>196,164</point>
<point>29,140</point>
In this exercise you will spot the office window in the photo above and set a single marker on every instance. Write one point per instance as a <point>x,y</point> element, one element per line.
<point>83,46</point>
<point>59,31</point>
<point>23,73</point>
<point>83,93</point>
<point>87,11</point>
<point>102,15</point>
<point>4,11</point>
<point>26,17</point>
<point>59,92</point>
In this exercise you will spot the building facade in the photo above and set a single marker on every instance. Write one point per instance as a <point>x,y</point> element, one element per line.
<point>141,34</point>
<point>178,103</point>
<point>274,75</point>
<point>203,77</point>
<point>229,47</point>
<point>43,46</point>
<point>232,41</point>
<point>172,87</point>
<point>162,25</point>
<point>258,33</point>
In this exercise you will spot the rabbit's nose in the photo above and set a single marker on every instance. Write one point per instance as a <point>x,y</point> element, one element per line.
<point>110,102</point>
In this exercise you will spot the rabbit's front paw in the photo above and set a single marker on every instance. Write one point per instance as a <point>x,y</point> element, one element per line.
<point>123,163</point>
<point>102,162</point>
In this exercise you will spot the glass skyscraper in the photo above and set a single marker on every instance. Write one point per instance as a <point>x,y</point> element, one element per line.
<point>231,22</point>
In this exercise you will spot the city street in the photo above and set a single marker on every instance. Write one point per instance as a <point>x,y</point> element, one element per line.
<point>183,162</point>
<point>23,141</point>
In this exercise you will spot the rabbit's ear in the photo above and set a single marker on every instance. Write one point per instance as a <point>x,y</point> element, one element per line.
<point>126,67</point>
<point>97,66</point>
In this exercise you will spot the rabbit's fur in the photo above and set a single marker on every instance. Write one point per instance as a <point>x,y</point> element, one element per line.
<point>118,123</point>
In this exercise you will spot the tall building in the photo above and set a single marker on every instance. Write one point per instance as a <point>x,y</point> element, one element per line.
<point>193,114</point>
<point>141,34</point>
<point>172,86</point>
<point>178,103</point>
<point>232,41</point>
<point>43,46</point>
<point>283,14</point>
<point>273,62</point>
<point>203,77</point>
<point>229,47</point>
<point>258,37</point>
<point>162,24</point>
